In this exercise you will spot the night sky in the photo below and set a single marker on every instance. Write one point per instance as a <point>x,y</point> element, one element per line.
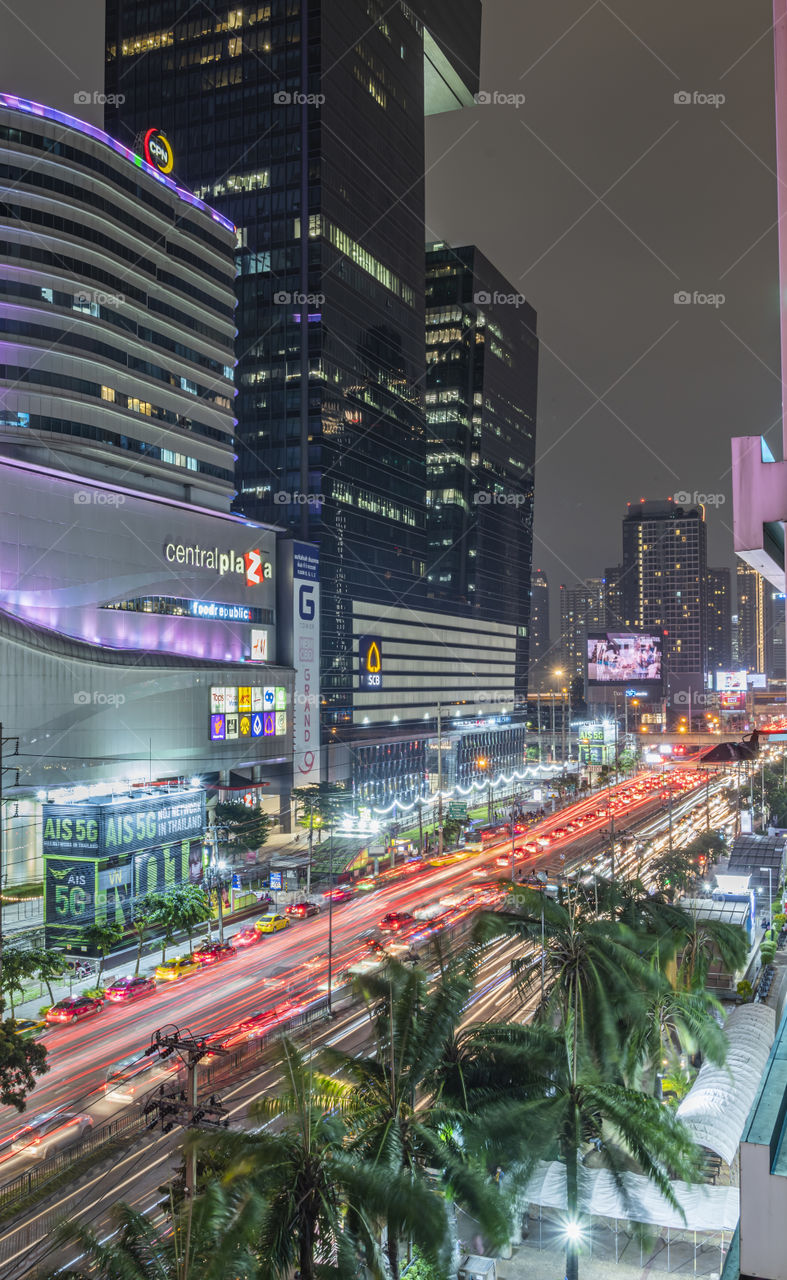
<point>599,198</point>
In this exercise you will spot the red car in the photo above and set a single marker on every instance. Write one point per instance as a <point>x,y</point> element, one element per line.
<point>247,937</point>
<point>74,1008</point>
<point>124,989</point>
<point>300,910</point>
<point>396,920</point>
<point>340,894</point>
<point>214,953</point>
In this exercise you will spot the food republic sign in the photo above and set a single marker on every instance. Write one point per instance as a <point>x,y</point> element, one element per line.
<point>249,563</point>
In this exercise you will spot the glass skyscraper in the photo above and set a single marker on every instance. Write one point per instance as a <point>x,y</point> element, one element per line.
<point>303,124</point>
<point>482,385</point>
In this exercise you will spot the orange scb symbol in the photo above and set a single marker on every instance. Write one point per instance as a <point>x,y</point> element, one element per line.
<point>373,660</point>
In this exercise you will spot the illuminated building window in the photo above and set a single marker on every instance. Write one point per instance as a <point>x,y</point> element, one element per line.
<point>108,393</point>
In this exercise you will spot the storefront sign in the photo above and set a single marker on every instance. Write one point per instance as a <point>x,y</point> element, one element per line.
<point>249,563</point>
<point>157,151</point>
<point>298,619</point>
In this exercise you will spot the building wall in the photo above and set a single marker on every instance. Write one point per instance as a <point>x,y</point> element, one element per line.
<point>664,580</point>
<point>481,391</point>
<point>117,310</point>
<point>338,458</point>
<point>719,628</point>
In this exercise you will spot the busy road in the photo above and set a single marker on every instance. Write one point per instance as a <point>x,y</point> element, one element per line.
<point>282,970</point>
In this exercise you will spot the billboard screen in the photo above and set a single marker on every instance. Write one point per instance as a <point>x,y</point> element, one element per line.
<point>731,681</point>
<point>620,657</point>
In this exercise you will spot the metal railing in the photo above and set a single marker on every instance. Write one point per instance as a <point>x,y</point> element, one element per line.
<point>223,1069</point>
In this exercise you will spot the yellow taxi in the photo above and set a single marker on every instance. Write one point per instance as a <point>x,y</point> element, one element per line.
<point>272,923</point>
<point>180,967</point>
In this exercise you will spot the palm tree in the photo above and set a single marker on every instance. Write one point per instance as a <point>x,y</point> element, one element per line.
<point>391,1126</point>
<point>206,1240</point>
<point>533,1094</point>
<point>674,1020</point>
<point>700,942</point>
<point>321,1201</point>
<point>595,976</point>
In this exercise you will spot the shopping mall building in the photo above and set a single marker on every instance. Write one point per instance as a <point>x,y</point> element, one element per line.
<point>146,633</point>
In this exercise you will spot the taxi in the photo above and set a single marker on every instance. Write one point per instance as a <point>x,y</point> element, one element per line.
<point>180,967</point>
<point>272,923</point>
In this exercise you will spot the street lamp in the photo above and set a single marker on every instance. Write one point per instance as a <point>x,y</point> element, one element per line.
<point>215,875</point>
<point>770,891</point>
<point>557,673</point>
<point>483,764</point>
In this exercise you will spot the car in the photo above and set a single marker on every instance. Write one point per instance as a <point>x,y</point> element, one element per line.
<point>213,953</point>
<point>27,1028</point>
<point>247,937</point>
<point>124,989</point>
<point>74,1008</point>
<point>531,847</point>
<point>503,860</point>
<point>51,1132</point>
<point>272,923</point>
<point>342,893</point>
<point>174,970</point>
<point>480,873</point>
<point>396,920</point>
<point>301,910</point>
<point>367,884</point>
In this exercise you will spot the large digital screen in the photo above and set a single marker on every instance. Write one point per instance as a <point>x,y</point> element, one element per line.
<point>620,657</point>
<point>731,681</point>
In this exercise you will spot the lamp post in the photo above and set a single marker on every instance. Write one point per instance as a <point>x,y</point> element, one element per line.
<point>770,891</point>
<point>483,764</point>
<point>215,875</point>
<point>557,673</point>
<point>330,922</point>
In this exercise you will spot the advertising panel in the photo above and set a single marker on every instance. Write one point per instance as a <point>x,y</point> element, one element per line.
<point>108,827</point>
<point>69,898</point>
<point>370,663</point>
<point>620,657</point>
<point>299,621</point>
<point>731,686</point>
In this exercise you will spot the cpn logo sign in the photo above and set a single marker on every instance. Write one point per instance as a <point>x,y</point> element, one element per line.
<point>157,151</point>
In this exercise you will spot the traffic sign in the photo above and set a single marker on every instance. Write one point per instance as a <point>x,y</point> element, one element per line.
<point>457,809</point>
<point>236,882</point>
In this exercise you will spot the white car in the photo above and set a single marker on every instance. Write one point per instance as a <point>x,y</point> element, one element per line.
<point>51,1132</point>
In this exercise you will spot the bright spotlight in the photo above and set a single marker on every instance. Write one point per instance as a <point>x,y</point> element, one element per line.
<point>573,1231</point>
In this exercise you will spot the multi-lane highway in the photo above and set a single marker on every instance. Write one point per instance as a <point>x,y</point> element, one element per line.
<point>294,964</point>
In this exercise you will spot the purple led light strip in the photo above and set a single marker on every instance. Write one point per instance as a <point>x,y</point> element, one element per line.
<point>49,113</point>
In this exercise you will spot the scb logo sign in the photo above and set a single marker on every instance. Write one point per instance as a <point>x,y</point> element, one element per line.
<point>306,604</point>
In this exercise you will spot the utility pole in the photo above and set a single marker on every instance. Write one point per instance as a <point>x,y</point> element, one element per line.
<point>330,923</point>
<point>421,829</point>
<point>183,1107</point>
<point>214,877</point>
<point>311,847</point>
<point>3,770</point>
<point>707,802</point>
<point>439,780</point>
<point>538,727</point>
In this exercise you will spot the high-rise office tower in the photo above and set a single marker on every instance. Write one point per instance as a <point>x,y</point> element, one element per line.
<point>481,388</point>
<point>753,601</point>
<point>539,618</point>
<point>777,653</point>
<point>583,611</point>
<point>303,124</point>
<point>719,626</point>
<point>665,580</point>
<point>613,598</point>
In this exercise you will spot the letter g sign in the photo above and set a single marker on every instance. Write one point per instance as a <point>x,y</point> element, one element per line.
<point>306,601</point>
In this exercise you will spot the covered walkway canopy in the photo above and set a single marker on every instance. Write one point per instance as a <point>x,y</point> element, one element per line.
<point>717,1106</point>
<point>706,1208</point>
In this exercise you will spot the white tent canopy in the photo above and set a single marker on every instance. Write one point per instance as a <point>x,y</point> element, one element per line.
<point>716,1107</point>
<point>706,1208</point>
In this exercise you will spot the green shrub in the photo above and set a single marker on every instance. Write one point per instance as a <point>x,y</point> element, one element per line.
<point>744,990</point>
<point>95,993</point>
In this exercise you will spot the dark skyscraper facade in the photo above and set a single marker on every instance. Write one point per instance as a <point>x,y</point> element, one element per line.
<point>539,618</point>
<point>481,393</point>
<point>719,627</point>
<point>303,124</point>
<point>665,580</point>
